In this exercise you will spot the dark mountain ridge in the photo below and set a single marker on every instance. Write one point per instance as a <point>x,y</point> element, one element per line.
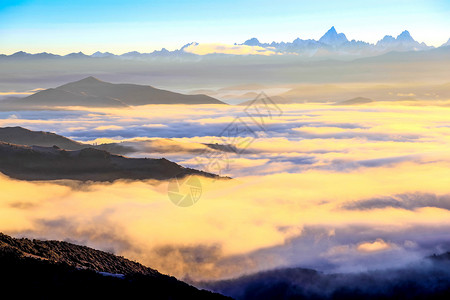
<point>60,270</point>
<point>88,164</point>
<point>22,136</point>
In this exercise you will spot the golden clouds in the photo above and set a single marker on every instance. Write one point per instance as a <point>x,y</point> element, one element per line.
<point>337,168</point>
<point>378,245</point>
<point>210,48</point>
<point>108,127</point>
<point>241,215</point>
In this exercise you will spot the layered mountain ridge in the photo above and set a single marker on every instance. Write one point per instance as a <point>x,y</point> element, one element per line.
<point>337,43</point>
<point>331,43</point>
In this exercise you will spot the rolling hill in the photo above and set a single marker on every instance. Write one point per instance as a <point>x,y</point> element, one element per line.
<point>22,136</point>
<point>88,164</point>
<point>92,92</point>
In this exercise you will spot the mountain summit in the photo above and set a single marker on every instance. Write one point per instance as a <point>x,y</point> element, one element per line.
<point>403,42</point>
<point>405,36</point>
<point>252,42</point>
<point>332,38</point>
<point>90,79</point>
<point>333,43</point>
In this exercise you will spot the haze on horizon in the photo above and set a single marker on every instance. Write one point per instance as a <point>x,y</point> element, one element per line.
<point>61,28</point>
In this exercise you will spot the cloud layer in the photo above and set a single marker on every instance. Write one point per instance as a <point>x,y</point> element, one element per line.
<point>331,188</point>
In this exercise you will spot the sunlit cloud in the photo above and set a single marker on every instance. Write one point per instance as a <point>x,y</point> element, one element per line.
<point>7,94</point>
<point>378,245</point>
<point>108,127</point>
<point>237,217</point>
<point>348,188</point>
<point>209,48</point>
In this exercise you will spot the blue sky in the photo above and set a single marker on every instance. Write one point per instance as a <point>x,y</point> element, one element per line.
<point>121,26</point>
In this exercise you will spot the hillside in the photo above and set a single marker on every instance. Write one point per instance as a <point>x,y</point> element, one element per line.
<point>51,163</point>
<point>92,92</point>
<point>22,136</point>
<point>61,270</point>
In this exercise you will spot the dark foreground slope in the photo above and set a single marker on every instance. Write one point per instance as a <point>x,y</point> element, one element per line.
<point>429,279</point>
<point>51,163</point>
<point>32,269</point>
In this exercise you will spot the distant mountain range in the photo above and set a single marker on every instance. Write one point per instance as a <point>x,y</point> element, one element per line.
<point>336,43</point>
<point>331,43</point>
<point>179,53</point>
<point>35,269</point>
<point>92,92</point>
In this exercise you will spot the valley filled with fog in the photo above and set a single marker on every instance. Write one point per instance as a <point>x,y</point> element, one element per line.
<point>333,188</point>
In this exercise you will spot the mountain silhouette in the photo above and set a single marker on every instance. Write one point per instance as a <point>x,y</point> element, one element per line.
<point>331,43</point>
<point>92,92</point>
<point>23,136</point>
<point>88,164</point>
<point>331,37</point>
<point>35,269</point>
<point>334,43</point>
<point>403,42</point>
<point>405,36</point>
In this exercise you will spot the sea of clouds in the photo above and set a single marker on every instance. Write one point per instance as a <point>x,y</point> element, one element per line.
<point>338,189</point>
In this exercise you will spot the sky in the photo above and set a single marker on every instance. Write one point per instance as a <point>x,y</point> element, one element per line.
<point>63,27</point>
